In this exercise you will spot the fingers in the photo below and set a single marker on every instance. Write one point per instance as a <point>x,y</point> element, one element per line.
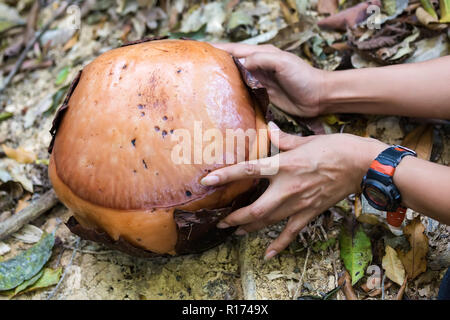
<point>284,141</point>
<point>242,170</point>
<point>262,207</point>
<point>264,60</point>
<point>294,225</point>
<point>241,50</point>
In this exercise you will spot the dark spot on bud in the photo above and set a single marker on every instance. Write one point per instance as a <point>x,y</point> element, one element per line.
<point>188,193</point>
<point>145,164</point>
<point>156,128</point>
<point>179,70</point>
<point>156,173</point>
<point>124,66</point>
<point>164,118</point>
<point>134,171</point>
<point>164,133</point>
<point>142,114</point>
<point>140,106</point>
<point>139,94</point>
<point>133,142</point>
<point>139,239</point>
<point>171,130</point>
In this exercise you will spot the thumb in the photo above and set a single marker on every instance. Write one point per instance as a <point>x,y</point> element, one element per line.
<point>285,141</point>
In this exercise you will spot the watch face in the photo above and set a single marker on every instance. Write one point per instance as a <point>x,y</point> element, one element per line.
<point>374,194</point>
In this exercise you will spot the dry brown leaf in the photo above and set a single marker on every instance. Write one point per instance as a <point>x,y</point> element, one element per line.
<point>393,266</point>
<point>348,17</point>
<point>69,44</point>
<point>402,290</point>
<point>346,282</point>
<point>420,140</point>
<point>414,260</point>
<point>20,154</point>
<point>428,20</point>
<point>289,10</point>
<point>23,202</point>
<point>327,6</point>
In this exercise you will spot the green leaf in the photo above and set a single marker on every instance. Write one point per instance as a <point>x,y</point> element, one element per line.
<point>444,5</point>
<point>356,251</point>
<point>9,17</point>
<point>5,115</point>
<point>26,264</point>
<point>195,35</point>
<point>27,283</point>
<point>426,4</point>
<point>62,76</point>
<point>323,245</point>
<point>49,278</point>
<point>56,100</point>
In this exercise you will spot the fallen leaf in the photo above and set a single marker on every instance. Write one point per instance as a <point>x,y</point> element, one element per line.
<point>26,264</point>
<point>69,44</point>
<point>348,17</point>
<point>428,20</point>
<point>62,75</point>
<point>414,260</point>
<point>56,100</point>
<point>421,141</point>
<point>344,283</point>
<point>426,4</point>
<point>327,6</point>
<point>28,234</point>
<point>430,48</point>
<point>5,116</point>
<point>323,245</point>
<point>20,154</point>
<point>23,203</point>
<point>445,11</point>
<point>393,266</point>
<point>9,17</point>
<point>356,251</point>
<point>25,284</point>
<point>4,248</point>
<point>49,278</point>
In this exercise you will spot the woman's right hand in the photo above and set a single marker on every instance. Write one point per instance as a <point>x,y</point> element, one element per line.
<point>293,85</point>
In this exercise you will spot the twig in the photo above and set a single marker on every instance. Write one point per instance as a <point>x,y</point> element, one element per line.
<point>34,210</point>
<point>30,45</point>
<point>401,292</point>
<point>77,245</point>
<point>382,286</point>
<point>88,251</point>
<point>300,282</point>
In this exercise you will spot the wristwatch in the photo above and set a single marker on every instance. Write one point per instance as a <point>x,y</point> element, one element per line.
<point>378,186</point>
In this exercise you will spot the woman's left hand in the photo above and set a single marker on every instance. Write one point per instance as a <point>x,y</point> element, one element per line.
<point>314,173</point>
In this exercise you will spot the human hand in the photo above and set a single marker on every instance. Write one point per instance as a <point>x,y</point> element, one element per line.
<point>314,173</point>
<point>293,85</point>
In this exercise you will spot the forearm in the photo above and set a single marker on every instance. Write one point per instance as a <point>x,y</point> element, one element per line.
<point>425,187</point>
<point>416,90</point>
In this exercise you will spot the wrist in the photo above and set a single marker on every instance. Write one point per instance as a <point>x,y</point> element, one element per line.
<point>346,92</point>
<point>368,150</point>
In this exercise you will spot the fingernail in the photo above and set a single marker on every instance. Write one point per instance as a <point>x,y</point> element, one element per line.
<point>240,232</point>
<point>242,60</point>
<point>223,225</point>
<point>270,255</point>
<point>209,180</point>
<point>272,126</point>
